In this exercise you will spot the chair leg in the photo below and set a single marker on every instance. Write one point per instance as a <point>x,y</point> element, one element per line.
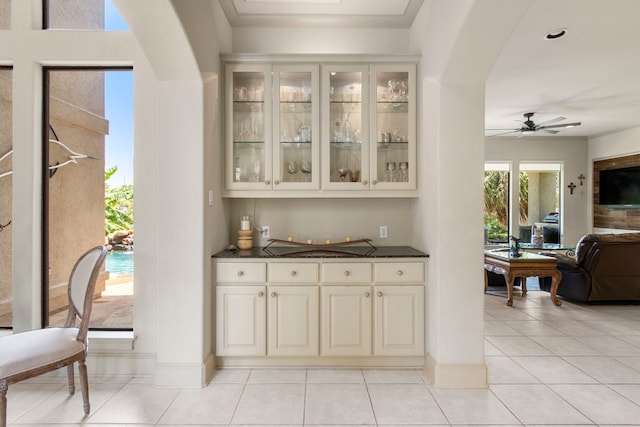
<point>3,403</point>
<point>70,380</point>
<point>84,383</point>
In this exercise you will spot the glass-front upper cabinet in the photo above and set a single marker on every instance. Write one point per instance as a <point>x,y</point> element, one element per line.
<point>248,126</point>
<point>345,127</point>
<point>393,129</point>
<point>296,130</point>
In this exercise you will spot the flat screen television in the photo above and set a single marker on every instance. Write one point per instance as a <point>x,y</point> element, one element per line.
<point>620,187</point>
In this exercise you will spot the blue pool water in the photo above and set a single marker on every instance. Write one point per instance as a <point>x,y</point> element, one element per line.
<point>119,262</point>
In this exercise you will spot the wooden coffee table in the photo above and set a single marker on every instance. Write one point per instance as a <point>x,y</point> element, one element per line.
<point>526,265</point>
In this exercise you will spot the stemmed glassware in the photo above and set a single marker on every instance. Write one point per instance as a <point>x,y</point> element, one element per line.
<point>292,167</point>
<point>391,172</point>
<point>404,171</point>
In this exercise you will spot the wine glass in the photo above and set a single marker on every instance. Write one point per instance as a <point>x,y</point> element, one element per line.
<point>343,172</point>
<point>391,170</point>
<point>404,171</point>
<point>292,167</point>
<point>305,167</point>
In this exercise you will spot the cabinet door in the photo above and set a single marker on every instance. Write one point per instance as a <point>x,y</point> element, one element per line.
<point>296,130</point>
<point>399,320</point>
<point>393,127</point>
<point>248,127</point>
<point>240,320</point>
<point>292,322</point>
<point>346,321</point>
<point>345,126</point>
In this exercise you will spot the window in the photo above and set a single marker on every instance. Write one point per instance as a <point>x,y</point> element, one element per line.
<point>539,205</point>
<point>496,202</point>
<point>89,188</point>
<point>81,15</point>
<point>6,200</point>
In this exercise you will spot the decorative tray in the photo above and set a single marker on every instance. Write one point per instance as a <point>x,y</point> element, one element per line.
<point>338,247</point>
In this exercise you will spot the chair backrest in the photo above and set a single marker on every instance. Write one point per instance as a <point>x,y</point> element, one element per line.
<point>82,283</point>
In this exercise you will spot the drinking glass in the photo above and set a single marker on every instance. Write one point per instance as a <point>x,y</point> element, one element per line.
<point>391,172</point>
<point>404,171</point>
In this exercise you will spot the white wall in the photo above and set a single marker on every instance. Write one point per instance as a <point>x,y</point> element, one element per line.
<point>571,153</point>
<point>320,40</point>
<point>623,143</point>
<point>458,52</point>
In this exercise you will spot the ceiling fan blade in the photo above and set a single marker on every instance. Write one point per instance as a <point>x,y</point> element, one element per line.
<point>565,125</point>
<point>503,133</point>
<point>549,122</point>
<point>545,130</point>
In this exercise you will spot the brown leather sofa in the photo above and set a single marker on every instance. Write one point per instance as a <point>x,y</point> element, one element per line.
<point>606,267</point>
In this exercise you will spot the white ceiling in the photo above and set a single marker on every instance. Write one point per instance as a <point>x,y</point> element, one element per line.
<point>591,75</point>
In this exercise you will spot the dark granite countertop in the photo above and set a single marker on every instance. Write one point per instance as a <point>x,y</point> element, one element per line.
<point>340,252</point>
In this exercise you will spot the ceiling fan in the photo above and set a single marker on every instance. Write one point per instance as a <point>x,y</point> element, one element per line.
<point>530,128</point>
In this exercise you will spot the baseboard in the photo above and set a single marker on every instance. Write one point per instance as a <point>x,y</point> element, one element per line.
<point>185,375</point>
<point>209,368</point>
<point>455,375</point>
<point>121,363</point>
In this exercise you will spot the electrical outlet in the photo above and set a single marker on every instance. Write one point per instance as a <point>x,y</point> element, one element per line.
<point>383,232</point>
<point>266,232</point>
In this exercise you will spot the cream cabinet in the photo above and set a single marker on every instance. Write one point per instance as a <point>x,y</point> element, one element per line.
<point>320,129</point>
<point>241,309</point>
<point>346,321</point>
<point>241,320</point>
<point>292,321</point>
<point>248,127</point>
<point>398,308</point>
<point>271,128</point>
<point>320,308</point>
<point>369,119</point>
<point>399,320</point>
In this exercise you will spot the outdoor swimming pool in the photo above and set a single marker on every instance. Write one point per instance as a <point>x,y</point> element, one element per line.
<point>118,262</point>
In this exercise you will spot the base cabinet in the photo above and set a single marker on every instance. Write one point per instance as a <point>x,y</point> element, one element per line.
<point>240,319</point>
<point>292,321</point>
<point>321,309</point>
<point>399,320</point>
<point>346,321</point>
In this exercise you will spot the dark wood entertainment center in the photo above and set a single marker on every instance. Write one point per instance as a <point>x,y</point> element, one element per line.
<point>617,218</point>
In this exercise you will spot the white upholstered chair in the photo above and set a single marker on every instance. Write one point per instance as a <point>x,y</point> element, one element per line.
<point>29,354</point>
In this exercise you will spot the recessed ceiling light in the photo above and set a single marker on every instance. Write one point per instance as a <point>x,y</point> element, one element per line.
<point>556,34</point>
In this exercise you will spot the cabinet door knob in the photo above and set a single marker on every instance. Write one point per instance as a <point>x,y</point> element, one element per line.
<point>240,273</point>
<point>379,294</point>
<point>347,273</point>
<point>273,294</point>
<point>294,273</point>
<point>374,182</point>
<point>260,294</point>
<point>365,182</point>
<point>276,182</point>
<point>267,182</point>
<point>366,294</point>
<point>400,273</point>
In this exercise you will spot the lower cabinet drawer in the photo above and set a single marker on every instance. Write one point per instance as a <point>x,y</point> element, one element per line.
<point>293,273</point>
<point>346,273</point>
<point>240,272</point>
<point>398,272</point>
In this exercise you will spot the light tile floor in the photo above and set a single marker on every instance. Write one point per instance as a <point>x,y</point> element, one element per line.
<point>570,365</point>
